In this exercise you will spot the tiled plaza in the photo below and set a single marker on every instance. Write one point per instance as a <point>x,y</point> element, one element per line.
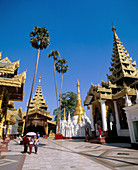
<point>70,154</point>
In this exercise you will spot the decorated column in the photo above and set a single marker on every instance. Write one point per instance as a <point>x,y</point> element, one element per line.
<point>92,123</point>
<point>104,118</point>
<point>117,118</point>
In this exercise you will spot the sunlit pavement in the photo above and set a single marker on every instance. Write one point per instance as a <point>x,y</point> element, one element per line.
<point>70,154</point>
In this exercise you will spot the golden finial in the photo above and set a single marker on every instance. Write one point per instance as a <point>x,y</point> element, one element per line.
<point>78,83</point>
<point>0,55</point>
<point>80,119</point>
<point>115,35</point>
<point>113,28</point>
<point>79,110</point>
<point>39,80</point>
<point>64,118</point>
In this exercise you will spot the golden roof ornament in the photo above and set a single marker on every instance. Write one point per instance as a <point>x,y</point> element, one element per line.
<point>79,110</point>
<point>0,55</point>
<point>39,80</point>
<point>64,118</point>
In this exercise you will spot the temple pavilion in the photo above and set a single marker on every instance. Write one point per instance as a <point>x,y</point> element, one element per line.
<point>106,101</point>
<point>14,116</point>
<point>39,120</point>
<point>11,89</point>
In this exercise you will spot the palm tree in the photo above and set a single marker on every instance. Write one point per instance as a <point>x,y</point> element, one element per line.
<point>61,68</point>
<point>55,54</point>
<point>39,40</point>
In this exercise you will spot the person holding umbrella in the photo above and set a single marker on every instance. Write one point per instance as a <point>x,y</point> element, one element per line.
<point>31,142</point>
<point>25,142</point>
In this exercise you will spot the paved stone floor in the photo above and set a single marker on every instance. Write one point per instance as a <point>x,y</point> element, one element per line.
<point>70,154</point>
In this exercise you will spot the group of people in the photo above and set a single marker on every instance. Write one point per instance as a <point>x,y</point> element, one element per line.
<point>33,141</point>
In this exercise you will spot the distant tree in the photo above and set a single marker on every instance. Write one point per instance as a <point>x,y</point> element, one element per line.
<point>68,101</point>
<point>55,54</point>
<point>39,40</point>
<point>62,68</point>
<point>19,129</point>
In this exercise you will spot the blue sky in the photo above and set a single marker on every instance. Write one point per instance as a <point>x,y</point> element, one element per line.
<point>80,30</point>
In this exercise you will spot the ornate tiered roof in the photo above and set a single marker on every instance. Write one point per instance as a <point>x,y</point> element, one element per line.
<point>123,78</point>
<point>122,65</point>
<point>38,103</point>
<point>38,100</point>
<point>11,80</point>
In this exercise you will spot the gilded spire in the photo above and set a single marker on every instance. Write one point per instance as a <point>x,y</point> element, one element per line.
<point>113,29</point>
<point>122,65</point>
<point>39,80</point>
<point>79,110</point>
<point>64,118</point>
<point>38,101</point>
<point>0,55</point>
<point>115,35</point>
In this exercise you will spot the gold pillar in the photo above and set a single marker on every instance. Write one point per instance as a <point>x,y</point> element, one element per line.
<point>1,123</point>
<point>23,126</point>
<point>8,129</point>
<point>1,127</point>
<point>64,118</point>
<point>1,98</point>
<point>46,128</point>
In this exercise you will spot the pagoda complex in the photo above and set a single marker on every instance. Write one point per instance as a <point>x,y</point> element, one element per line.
<point>11,89</point>
<point>39,120</point>
<point>106,101</point>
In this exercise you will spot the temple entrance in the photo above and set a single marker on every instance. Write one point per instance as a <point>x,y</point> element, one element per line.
<point>39,129</point>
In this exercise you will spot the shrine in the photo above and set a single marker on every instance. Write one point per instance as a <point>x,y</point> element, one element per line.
<point>11,89</point>
<point>75,127</point>
<point>39,120</point>
<point>106,101</point>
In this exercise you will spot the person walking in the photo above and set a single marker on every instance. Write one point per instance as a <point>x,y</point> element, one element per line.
<point>25,142</point>
<point>31,142</point>
<point>36,143</point>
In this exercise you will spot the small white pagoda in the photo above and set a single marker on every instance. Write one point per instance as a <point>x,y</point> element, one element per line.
<point>75,126</point>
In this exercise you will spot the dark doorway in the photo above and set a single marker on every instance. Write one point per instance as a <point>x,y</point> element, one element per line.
<point>111,124</point>
<point>36,129</point>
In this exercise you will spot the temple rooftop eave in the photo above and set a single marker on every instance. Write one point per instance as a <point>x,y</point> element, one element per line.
<point>16,81</point>
<point>51,122</point>
<point>7,67</point>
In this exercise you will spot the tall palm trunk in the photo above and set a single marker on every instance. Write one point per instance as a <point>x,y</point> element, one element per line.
<point>38,54</point>
<point>55,83</point>
<point>58,118</point>
<point>61,91</point>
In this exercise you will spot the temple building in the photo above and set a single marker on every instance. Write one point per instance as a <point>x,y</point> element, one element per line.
<point>13,117</point>
<point>132,119</point>
<point>75,126</point>
<point>11,89</point>
<point>39,120</point>
<point>106,101</point>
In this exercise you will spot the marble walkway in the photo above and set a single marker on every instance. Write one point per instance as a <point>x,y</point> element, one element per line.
<point>70,154</point>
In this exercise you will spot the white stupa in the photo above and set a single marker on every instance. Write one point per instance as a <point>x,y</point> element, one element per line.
<point>76,126</point>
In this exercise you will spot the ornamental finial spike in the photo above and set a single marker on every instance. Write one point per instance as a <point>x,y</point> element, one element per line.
<point>78,83</point>
<point>79,110</point>
<point>0,55</point>
<point>64,118</point>
<point>39,80</point>
<point>113,28</point>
